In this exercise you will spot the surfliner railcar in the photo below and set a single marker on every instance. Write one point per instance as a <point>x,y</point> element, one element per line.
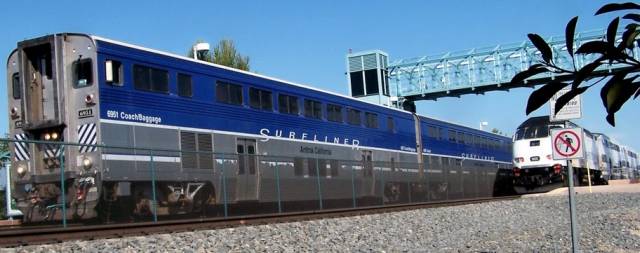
<point>89,90</point>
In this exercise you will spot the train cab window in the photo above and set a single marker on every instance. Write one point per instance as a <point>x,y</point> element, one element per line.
<point>312,109</point>
<point>185,85</point>
<point>150,79</point>
<point>371,120</point>
<point>260,99</point>
<point>288,104</point>
<point>113,72</point>
<point>334,113</point>
<point>354,117</point>
<point>390,125</point>
<point>15,86</point>
<point>82,73</point>
<point>228,93</point>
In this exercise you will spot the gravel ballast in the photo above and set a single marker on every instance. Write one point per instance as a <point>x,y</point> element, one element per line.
<point>609,222</point>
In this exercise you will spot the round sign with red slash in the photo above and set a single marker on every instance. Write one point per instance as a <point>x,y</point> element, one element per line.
<point>567,143</point>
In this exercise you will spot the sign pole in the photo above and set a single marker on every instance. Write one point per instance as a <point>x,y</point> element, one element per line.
<point>572,208</point>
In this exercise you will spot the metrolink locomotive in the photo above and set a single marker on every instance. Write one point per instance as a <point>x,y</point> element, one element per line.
<point>148,132</point>
<point>536,170</point>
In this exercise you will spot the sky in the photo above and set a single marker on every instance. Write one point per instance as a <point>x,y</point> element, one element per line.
<point>307,41</point>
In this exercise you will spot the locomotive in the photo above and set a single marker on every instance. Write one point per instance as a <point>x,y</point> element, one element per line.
<point>103,128</point>
<point>535,169</point>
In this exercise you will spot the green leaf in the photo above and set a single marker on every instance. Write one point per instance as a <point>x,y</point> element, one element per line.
<point>632,16</point>
<point>540,96</point>
<point>617,7</point>
<point>611,119</point>
<point>611,32</point>
<point>569,34</point>
<point>532,71</point>
<point>629,36</point>
<point>616,92</point>
<point>542,46</point>
<point>564,99</point>
<point>584,73</point>
<point>593,47</point>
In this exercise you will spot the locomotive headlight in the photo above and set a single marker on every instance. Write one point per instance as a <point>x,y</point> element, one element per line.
<point>21,170</point>
<point>47,136</point>
<point>54,135</point>
<point>89,99</point>
<point>14,112</point>
<point>87,163</point>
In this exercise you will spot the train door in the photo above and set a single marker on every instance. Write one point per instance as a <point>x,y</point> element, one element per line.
<point>248,174</point>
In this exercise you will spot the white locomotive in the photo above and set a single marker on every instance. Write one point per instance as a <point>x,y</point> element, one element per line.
<point>536,170</point>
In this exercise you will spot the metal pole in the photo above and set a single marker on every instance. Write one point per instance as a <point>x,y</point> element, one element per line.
<point>153,188</point>
<point>278,189</point>
<point>318,182</point>
<point>62,187</point>
<point>572,206</point>
<point>572,211</point>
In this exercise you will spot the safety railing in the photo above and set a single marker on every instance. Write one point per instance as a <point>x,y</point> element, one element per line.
<point>62,182</point>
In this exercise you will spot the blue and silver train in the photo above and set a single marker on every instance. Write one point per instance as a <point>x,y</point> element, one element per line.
<point>193,123</point>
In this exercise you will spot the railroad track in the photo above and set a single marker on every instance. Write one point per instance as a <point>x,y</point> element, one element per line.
<point>22,236</point>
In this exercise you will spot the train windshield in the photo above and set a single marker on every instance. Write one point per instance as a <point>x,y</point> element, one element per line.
<point>532,132</point>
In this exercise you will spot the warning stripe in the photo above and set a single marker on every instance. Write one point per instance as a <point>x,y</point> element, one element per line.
<point>87,135</point>
<point>21,149</point>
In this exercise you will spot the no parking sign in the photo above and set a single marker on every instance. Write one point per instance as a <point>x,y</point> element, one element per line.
<point>567,143</point>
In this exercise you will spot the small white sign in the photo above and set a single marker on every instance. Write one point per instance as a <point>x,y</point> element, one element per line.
<point>572,110</point>
<point>567,143</point>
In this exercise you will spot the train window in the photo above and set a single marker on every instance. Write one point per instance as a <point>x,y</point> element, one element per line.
<point>298,166</point>
<point>468,139</point>
<point>82,73</point>
<point>312,167</point>
<point>334,168</point>
<point>390,125</point>
<point>185,85</point>
<point>432,132</point>
<point>113,72</point>
<point>322,167</point>
<point>288,104</point>
<point>371,120</point>
<point>353,117</point>
<point>260,99</point>
<point>452,136</point>
<point>334,113</point>
<point>460,137</point>
<point>150,79</point>
<point>312,109</point>
<point>228,93</point>
<point>16,87</point>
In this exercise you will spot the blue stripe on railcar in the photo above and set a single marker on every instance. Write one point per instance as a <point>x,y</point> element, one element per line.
<point>126,103</point>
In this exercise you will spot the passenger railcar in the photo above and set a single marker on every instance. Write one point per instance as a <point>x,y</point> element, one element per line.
<point>206,133</point>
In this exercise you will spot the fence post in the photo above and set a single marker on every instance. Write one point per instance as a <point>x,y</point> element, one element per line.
<point>278,188</point>
<point>353,187</point>
<point>62,187</point>
<point>153,187</point>
<point>224,188</point>
<point>318,182</point>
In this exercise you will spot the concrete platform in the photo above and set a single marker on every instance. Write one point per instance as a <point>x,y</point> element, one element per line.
<point>626,188</point>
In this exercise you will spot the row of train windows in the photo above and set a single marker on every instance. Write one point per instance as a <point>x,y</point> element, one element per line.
<point>157,80</point>
<point>465,138</point>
